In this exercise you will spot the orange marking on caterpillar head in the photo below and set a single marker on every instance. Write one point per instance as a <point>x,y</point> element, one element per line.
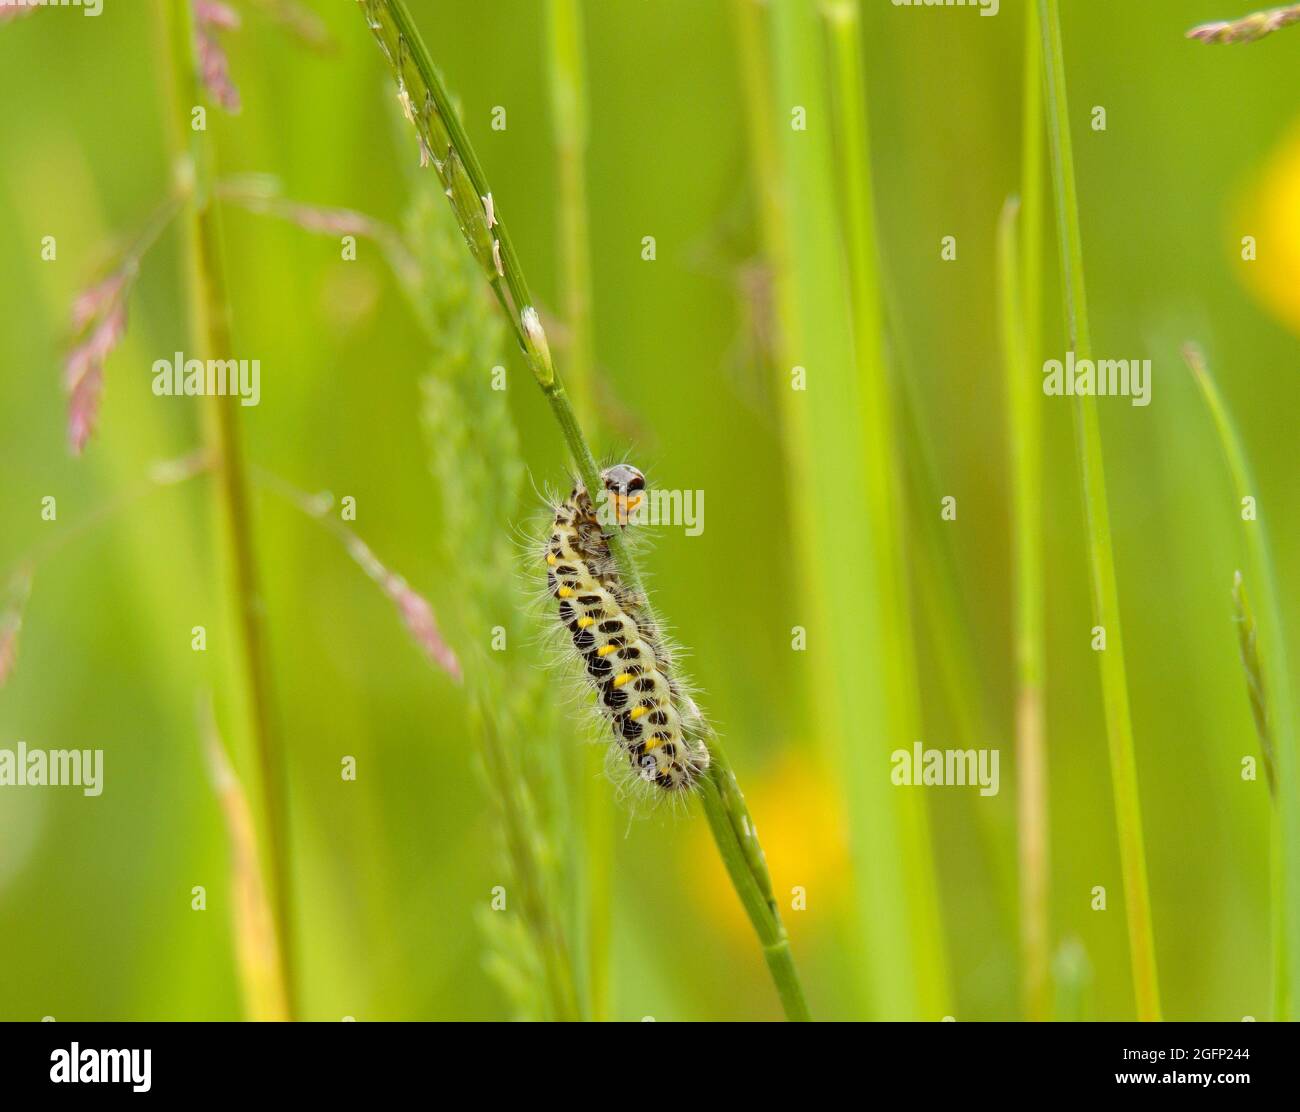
<point>624,482</point>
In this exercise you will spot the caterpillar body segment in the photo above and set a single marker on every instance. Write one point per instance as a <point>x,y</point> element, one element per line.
<point>611,630</point>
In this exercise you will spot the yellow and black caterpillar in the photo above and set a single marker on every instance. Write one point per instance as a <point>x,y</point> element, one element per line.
<point>655,723</point>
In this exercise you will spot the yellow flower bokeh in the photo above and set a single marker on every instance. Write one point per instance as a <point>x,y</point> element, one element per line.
<point>1271,215</point>
<point>804,835</point>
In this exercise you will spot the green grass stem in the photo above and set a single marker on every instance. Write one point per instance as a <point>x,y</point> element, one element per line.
<point>212,339</point>
<point>1021,268</point>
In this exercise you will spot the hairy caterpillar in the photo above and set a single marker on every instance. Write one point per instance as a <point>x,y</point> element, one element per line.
<point>626,661</point>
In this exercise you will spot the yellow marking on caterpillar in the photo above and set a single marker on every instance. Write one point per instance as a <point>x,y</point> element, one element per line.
<point>653,743</point>
<point>622,678</point>
<point>606,650</point>
<point>565,592</point>
<point>583,623</point>
<point>552,559</point>
<point>637,713</point>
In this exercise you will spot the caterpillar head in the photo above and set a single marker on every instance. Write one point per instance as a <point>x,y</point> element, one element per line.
<point>625,484</point>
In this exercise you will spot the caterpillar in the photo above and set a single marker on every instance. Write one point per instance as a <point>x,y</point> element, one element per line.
<point>615,637</point>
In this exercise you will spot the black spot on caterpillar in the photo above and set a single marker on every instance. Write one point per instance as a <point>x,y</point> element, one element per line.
<point>612,631</point>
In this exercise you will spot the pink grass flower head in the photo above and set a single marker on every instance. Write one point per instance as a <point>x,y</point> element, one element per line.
<point>99,319</point>
<point>423,626</point>
<point>83,408</point>
<point>332,221</point>
<point>98,299</point>
<point>415,610</point>
<point>1250,28</point>
<point>215,14</point>
<point>210,17</point>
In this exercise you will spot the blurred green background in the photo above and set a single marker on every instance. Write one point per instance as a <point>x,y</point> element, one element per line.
<point>393,871</point>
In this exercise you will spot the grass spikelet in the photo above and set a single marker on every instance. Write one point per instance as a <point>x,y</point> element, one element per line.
<point>99,315</point>
<point>1249,28</point>
<point>257,954</point>
<point>260,193</point>
<point>211,17</point>
<point>1248,643</point>
<point>99,320</point>
<point>415,610</point>
<point>475,459</point>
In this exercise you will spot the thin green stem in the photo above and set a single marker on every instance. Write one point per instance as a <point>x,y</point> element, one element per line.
<point>724,806</point>
<point>1022,306</point>
<point>1105,589</point>
<point>212,338</point>
<point>1276,685</point>
<point>733,831</point>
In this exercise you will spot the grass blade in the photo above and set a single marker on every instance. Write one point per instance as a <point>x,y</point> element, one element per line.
<point>1105,588</point>
<point>878,415</point>
<point>858,670</point>
<point>1273,680</point>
